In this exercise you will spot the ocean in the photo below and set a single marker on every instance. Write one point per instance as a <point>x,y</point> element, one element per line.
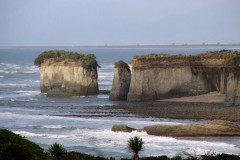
<point>82,123</point>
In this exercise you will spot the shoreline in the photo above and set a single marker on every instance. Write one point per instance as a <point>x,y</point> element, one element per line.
<point>208,106</point>
<point>181,110</point>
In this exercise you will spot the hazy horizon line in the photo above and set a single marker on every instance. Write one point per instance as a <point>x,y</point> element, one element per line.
<point>122,45</point>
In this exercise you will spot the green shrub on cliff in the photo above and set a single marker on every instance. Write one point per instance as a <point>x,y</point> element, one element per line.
<point>222,54</point>
<point>57,151</point>
<point>14,151</point>
<point>45,55</point>
<point>13,146</point>
<point>233,65</point>
<point>121,64</point>
<point>87,61</point>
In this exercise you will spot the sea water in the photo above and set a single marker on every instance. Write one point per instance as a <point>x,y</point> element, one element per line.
<point>83,123</point>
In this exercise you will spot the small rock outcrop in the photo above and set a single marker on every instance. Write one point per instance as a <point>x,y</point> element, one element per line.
<point>206,128</point>
<point>122,128</point>
<point>121,81</point>
<point>67,73</point>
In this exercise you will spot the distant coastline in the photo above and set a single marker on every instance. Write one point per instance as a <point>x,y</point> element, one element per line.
<point>131,46</point>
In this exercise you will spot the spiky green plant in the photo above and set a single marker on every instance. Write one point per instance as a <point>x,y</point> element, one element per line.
<point>57,151</point>
<point>135,145</point>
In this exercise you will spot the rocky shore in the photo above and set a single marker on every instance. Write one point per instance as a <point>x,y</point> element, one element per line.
<point>182,110</point>
<point>206,128</point>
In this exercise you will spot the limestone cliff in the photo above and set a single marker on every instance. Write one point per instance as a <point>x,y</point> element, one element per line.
<point>121,81</point>
<point>157,83</point>
<point>232,90</point>
<point>157,76</point>
<point>59,79</point>
<point>164,76</point>
<point>67,77</point>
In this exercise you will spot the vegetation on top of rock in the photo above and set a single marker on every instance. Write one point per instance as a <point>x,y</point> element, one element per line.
<point>222,54</point>
<point>228,58</point>
<point>87,61</point>
<point>121,64</point>
<point>234,63</point>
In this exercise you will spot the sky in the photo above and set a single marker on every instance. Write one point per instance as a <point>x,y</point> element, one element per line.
<point>118,22</point>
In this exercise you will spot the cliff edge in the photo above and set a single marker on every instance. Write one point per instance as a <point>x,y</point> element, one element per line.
<point>159,76</point>
<point>67,73</point>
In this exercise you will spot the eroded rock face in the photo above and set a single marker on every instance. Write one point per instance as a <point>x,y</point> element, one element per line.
<point>121,82</point>
<point>232,90</point>
<point>157,83</point>
<point>67,79</point>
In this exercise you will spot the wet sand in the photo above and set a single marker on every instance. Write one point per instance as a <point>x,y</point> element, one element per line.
<point>212,97</point>
<point>209,107</point>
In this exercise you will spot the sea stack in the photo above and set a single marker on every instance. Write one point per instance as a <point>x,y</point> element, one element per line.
<point>67,73</point>
<point>121,81</point>
<point>159,76</point>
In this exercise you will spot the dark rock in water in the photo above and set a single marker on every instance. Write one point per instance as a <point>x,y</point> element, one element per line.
<point>122,128</point>
<point>104,92</point>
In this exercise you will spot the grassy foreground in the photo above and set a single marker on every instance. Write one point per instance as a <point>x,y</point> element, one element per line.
<point>15,147</point>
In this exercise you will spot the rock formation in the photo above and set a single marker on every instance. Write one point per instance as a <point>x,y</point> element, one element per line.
<point>232,90</point>
<point>67,77</point>
<point>164,76</point>
<point>122,128</point>
<point>121,81</point>
<point>158,76</point>
<point>206,128</point>
<point>157,83</point>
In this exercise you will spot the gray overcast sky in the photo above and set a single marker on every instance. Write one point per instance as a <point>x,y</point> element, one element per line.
<point>90,22</point>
